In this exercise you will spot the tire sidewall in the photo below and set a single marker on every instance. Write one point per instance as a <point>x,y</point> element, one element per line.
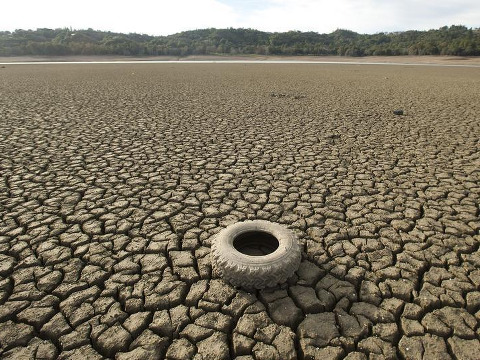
<point>285,237</point>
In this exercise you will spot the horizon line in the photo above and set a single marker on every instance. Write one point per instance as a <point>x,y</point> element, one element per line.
<point>239,28</point>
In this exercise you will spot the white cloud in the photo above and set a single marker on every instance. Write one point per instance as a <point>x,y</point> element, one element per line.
<point>141,16</point>
<point>161,17</point>
<point>365,16</point>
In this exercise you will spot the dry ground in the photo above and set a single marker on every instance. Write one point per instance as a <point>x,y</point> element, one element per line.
<point>116,177</point>
<point>408,59</point>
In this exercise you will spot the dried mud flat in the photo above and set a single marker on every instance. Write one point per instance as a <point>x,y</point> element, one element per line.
<point>115,178</point>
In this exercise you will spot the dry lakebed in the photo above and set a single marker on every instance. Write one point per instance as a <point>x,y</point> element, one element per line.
<point>115,178</point>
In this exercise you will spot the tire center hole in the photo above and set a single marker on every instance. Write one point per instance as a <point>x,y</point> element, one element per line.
<point>255,243</point>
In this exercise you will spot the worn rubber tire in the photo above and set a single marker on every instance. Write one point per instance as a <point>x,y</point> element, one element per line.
<point>255,272</point>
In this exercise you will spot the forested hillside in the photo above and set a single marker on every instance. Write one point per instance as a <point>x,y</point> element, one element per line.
<point>453,40</point>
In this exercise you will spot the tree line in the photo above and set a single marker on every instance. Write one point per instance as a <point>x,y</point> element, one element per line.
<point>448,40</point>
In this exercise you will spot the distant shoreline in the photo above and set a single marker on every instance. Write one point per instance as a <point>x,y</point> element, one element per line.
<point>402,59</point>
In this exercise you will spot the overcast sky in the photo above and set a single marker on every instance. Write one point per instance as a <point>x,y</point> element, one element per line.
<point>163,17</point>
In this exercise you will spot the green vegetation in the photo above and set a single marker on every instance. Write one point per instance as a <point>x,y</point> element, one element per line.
<point>453,40</point>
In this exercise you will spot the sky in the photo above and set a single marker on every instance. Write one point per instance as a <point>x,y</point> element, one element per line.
<point>164,17</point>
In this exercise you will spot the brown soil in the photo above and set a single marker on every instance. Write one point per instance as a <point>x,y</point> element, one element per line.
<point>115,179</point>
<point>445,60</point>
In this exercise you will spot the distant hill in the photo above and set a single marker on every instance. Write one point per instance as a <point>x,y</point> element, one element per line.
<point>453,40</point>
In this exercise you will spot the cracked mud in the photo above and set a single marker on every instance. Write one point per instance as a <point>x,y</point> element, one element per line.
<point>116,177</point>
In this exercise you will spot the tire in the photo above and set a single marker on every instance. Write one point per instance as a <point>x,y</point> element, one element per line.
<point>253,271</point>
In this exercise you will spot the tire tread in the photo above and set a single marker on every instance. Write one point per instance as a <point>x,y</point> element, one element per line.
<point>257,276</point>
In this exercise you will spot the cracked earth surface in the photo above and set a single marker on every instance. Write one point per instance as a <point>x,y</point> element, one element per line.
<point>116,177</point>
